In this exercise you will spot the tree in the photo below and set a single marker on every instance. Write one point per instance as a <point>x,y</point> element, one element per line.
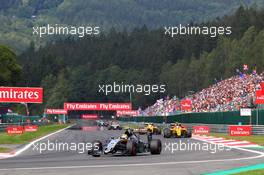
<point>59,94</point>
<point>10,70</point>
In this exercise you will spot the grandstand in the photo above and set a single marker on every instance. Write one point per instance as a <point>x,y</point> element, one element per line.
<point>227,95</point>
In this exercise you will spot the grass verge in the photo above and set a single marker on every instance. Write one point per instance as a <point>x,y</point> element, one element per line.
<point>258,139</point>
<point>4,150</point>
<point>29,136</point>
<point>253,172</point>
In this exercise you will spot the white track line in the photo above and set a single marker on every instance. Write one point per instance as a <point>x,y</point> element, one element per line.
<point>238,142</point>
<point>141,164</point>
<point>13,154</point>
<point>249,146</point>
<point>224,141</point>
<point>230,143</point>
<point>215,139</point>
<point>260,155</point>
<point>238,148</point>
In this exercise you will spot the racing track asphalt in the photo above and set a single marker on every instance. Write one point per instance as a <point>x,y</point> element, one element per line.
<point>71,162</point>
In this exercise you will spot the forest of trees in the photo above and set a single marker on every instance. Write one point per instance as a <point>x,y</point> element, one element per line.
<point>71,70</point>
<point>10,69</point>
<point>17,17</point>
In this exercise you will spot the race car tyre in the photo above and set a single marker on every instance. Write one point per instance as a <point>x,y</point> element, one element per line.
<point>189,134</point>
<point>158,132</point>
<point>155,147</point>
<point>184,134</point>
<point>166,133</point>
<point>131,148</point>
<point>120,128</point>
<point>96,148</point>
<point>110,127</point>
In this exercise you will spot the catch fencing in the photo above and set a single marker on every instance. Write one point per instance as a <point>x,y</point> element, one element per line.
<point>225,118</point>
<point>214,128</point>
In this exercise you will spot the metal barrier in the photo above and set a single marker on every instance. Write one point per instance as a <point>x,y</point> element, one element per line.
<point>224,118</point>
<point>215,128</point>
<point>258,130</point>
<point>3,126</point>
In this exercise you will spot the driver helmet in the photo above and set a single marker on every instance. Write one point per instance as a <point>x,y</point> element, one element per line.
<point>129,132</point>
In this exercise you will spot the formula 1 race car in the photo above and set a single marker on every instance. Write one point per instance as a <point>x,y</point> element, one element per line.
<point>149,128</point>
<point>114,125</point>
<point>128,144</point>
<point>176,130</point>
<point>102,123</point>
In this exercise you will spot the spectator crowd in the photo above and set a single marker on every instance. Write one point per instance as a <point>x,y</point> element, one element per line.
<point>228,95</point>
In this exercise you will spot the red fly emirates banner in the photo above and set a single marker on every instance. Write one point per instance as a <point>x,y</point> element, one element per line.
<point>201,129</point>
<point>56,111</point>
<point>21,95</point>
<point>15,130</point>
<point>30,128</point>
<point>89,116</point>
<point>127,113</point>
<point>186,105</point>
<point>237,130</point>
<point>260,95</point>
<point>97,106</point>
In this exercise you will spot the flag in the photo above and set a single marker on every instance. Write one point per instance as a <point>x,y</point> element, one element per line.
<point>262,87</point>
<point>259,97</point>
<point>245,67</point>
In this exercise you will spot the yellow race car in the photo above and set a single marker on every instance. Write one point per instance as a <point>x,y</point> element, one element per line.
<point>148,128</point>
<point>176,130</point>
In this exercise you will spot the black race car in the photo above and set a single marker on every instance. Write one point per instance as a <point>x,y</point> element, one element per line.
<point>128,144</point>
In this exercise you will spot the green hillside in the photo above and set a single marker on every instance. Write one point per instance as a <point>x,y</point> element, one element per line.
<point>71,70</point>
<point>17,17</point>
